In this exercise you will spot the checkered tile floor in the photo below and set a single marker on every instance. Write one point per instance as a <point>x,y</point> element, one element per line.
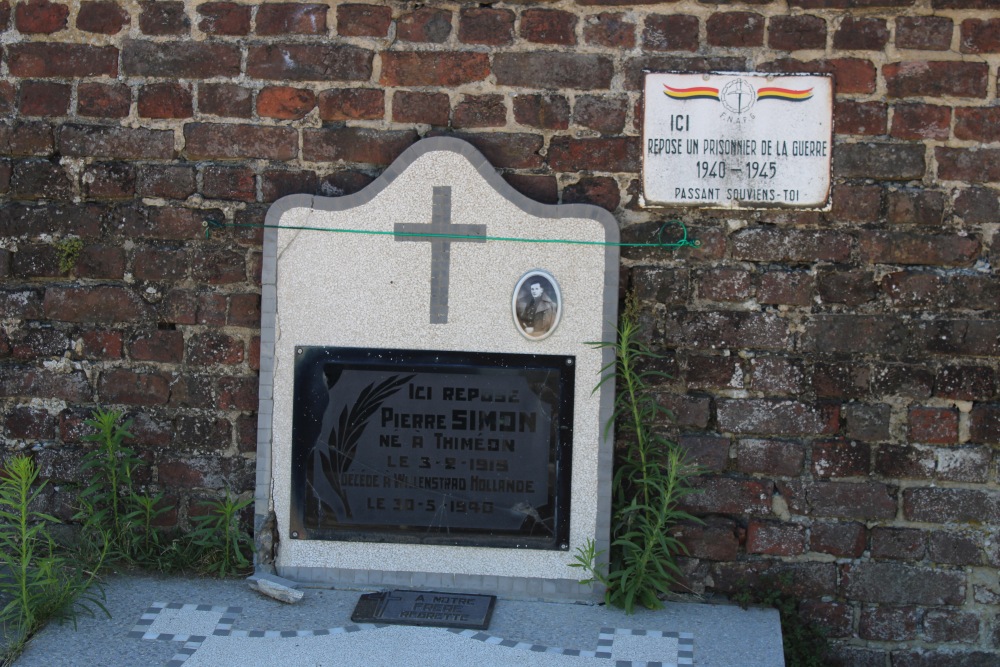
<point>207,636</point>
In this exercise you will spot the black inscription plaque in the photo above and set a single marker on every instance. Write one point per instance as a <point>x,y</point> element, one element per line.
<point>427,608</point>
<point>432,447</point>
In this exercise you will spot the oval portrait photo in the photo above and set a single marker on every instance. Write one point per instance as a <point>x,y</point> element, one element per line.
<point>537,305</point>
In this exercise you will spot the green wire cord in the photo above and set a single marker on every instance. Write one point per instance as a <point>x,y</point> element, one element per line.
<point>683,242</point>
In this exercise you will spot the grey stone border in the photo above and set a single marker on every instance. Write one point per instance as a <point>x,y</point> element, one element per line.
<point>511,586</point>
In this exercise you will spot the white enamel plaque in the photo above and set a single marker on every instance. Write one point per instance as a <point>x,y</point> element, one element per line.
<point>737,140</point>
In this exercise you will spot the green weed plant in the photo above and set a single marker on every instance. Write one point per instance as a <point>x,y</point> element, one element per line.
<point>38,582</point>
<point>652,476</point>
<point>220,541</point>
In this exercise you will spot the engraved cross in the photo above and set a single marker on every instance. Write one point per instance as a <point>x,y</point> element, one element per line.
<point>440,247</point>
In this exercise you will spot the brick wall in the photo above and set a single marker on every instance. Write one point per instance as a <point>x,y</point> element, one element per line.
<point>836,373</point>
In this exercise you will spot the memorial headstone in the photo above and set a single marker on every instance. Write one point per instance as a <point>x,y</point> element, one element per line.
<point>427,413</point>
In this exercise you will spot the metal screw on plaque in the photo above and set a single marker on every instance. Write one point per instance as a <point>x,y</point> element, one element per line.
<point>298,350</point>
<point>569,362</point>
<point>295,534</point>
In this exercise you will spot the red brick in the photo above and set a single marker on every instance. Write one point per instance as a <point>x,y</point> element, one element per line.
<point>165,100</point>
<point>225,99</point>
<point>504,151</point>
<point>864,118</point>
<point>898,543</point>
<point>115,142</point>
<point>548,26</point>
<point>735,29</point>
<point>835,618</point>
<point>984,423</point>
<point>938,505</point>
<point>544,189</point>
<point>29,423</point>
<point>100,262</point>
<point>351,104</point>
<point>851,75</point>
<point>218,266</point>
<point>978,124</point>
<point>8,97</point>
<point>905,248</point>
<point>892,583</point>
<point>954,548</point>
<point>714,540</point>
<point>485,25</point>
<point>726,329</point>
<point>597,190</point>
<point>711,452</point>
<point>244,310</point>
<point>880,161</point>
<point>921,121</point>
<point>542,111</point>
<point>609,29</point>
<point>49,59</point>
<point>110,180</point>
<point>4,14</point>
<point>480,111</point>
<point>553,70</point>
<point>848,4</point>
<point>948,625</point>
<point>598,154</point>
<point>28,381</point>
<point>101,345</point>
<point>424,24</point>
<point>308,62</point>
<point>39,179</point>
<point>844,540</point>
<point>103,100</point>
<point>775,539</point>
<point>793,33</point>
<point>852,288</point>
<point>285,102</point>
<point>188,60</point>
<point>167,181</point>
<point>414,107</point>
<point>361,145</point>
<point>204,349</point>
<point>725,284</point>
<point>724,495</point>
<point>276,183</point>
<point>777,375</point>
<point>428,68</point>
<point>770,457</point>
<point>861,34</point>
<point>224,18</point>
<point>237,393</point>
<point>673,32</point>
<point>801,580</point>
<point>863,501</point>
<point>363,20</point>
<point>161,264</point>
<point>106,18</point>
<point>890,623</point>
<point>977,205</point>
<point>792,288</point>
<point>767,244</point>
<point>960,164</point>
<point>236,183</point>
<point>840,458</point>
<point>604,114</point>
<point>980,36</point>
<point>163,346</point>
<point>965,383</point>
<point>926,33</point>
<point>291,18</point>
<point>163,17</point>
<point>44,98</point>
<point>917,207</point>
<point>230,142</point>
<point>936,79</point>
<point>124,386</point>
<point>187,307</point>
<point>40,16</point>
<point>246,439</point>
<point>105,304</point>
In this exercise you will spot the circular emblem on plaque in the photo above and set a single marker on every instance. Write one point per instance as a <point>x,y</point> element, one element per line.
<point>536,304</point>
<point>738,96</point>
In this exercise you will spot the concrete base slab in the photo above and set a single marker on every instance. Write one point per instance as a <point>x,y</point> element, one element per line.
<point>199,622</point>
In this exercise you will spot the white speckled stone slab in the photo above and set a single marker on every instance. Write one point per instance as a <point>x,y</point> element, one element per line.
<point>369,290</point>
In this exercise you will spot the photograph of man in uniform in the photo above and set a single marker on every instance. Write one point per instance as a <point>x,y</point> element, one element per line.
<point>536,310</point>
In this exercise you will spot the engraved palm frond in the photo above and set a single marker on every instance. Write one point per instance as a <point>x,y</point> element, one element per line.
<point>345,435</point>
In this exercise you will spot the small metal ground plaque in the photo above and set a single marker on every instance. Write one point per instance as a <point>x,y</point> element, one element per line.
<point>426,608</point>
